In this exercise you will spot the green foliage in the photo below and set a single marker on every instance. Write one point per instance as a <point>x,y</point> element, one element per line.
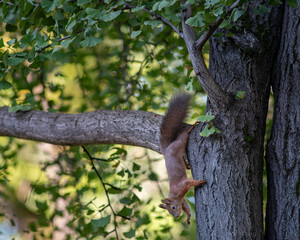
<point>240,95</point>
<point>78,56</point>
<point>209,128</point>
<point>292,3</point>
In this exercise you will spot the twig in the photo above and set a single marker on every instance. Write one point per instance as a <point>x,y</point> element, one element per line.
<point>213,27</point>
<point>107,195</point>
<point>59,40</point>
<point>8,3</point>
<point>157,16</point>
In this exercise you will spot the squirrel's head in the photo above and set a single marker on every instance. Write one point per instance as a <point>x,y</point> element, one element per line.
<point>173,206</point>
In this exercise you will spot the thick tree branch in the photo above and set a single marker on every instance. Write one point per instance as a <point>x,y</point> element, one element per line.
<point>157,16</point>
<point>217,97</point>
<point>214,26</point>
<point>138,128</point>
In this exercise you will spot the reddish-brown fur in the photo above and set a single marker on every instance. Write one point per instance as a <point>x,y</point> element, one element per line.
<point>174,138</point>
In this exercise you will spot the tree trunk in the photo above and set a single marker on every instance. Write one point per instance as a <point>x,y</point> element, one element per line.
<point>283,152</point>
<point>230,205</point>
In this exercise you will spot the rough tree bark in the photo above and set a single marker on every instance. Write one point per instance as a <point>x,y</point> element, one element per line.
<point>137,128</point>
<point>283,152</point>
<point>230,205</point>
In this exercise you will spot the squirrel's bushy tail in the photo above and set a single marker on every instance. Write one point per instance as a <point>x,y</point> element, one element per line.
<point>172,124</point>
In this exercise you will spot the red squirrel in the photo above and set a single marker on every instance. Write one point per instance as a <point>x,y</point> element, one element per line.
<point>173,139</point>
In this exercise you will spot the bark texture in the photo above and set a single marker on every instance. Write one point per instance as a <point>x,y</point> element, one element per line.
<point>137,128</point>
<point>230,205</point>
<point>283,150</point>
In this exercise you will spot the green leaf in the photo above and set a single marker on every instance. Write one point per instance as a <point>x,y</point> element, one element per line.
<point>71,23</point>
<point>101,222</point>
<point>196,21</point>
<point>126,212</point>
<point>219,10</point>
<point>82,2</point>
<point>216,130</point>
<point>240,95</point>
<point>22,108</point>
<point>237,14</point>
<point>130,234</point>
<point>139,8</point>
<point>110,16</point>
<point>114,191</point>
<point>292,3</point>
<point>153,176</point>
<point>135,33</point>
<point>11,42</point>
<point>262,9</point>
<point>42,206</point>
<point>153,23</point>
<point>125,200</point>
<point>12,61</point>
<point>93,13</point>
<point>5,85</point>
<point>48,5</point>
<point>206,118</point>
<point>26,40</point>
<point>1,43</point>
<point>135,167</point>
<point>67,42</point>
<point>160,5</point>
<point>90,41</point>
<point>207,131</point>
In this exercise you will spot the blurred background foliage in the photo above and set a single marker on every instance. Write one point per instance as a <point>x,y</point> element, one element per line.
<point>79,56</point>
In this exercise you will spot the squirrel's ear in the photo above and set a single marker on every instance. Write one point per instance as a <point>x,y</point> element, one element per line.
<point>167,200</point>
<point>164,206</point>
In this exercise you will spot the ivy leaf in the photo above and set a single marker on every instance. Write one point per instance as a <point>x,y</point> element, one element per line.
<point>240,95</point>
<point>207,131</point>
<point>135,33</point>
<point>206,118</point>
<point>90,41</point>
<point>5,85</point>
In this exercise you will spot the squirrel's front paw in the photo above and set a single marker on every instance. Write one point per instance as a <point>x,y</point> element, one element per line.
<point>201,182</point>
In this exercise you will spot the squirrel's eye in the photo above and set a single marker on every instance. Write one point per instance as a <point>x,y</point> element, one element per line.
<point>173,207</point>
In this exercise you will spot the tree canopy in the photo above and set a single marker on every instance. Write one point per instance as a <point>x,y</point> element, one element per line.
<point>85,72</point>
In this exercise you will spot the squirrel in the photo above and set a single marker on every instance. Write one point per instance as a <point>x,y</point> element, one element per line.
<point>173,139</point>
